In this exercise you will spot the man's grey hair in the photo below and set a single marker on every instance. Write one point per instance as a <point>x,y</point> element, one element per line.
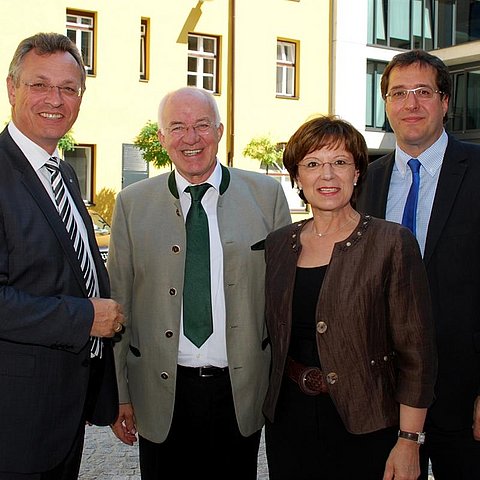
<point>196,91</point>
<point>45,44</point>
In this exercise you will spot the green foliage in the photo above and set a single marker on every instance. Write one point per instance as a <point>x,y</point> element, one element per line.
<point>152,150</point>
<point>66,143</point>
<point>265,151</point>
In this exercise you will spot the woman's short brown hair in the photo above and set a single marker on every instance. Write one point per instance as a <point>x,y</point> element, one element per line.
<point>328,131</point>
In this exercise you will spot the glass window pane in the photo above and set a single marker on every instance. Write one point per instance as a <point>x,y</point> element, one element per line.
<point>399,24</point>
<point>290,80</point>
<point>208,83</point>
<point>279,51</point>
<point>473,100</point>
<point>457,107</point>
<point>370,24</point>
<point>375,108</point>
<point>380,23</point>
<point>209,45</point>
<point>72,35</point>
<point>428,25</point>
<point>79,158</point>
<point>290,53</point>
<point>369,95</point>
<point>192,64</point>
<point>445,23</point>
<point>379,103</point>
<point>192,43</point>
<point>191,80</point>
<point>417,23</point>
<point>208,65</point>
<point>279,80</point>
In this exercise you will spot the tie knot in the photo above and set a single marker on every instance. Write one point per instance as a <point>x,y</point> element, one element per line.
<point>198,191</point>
<point>414,165</point>
<point>52,164</point>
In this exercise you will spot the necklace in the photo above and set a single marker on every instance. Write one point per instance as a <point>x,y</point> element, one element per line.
<point>333,231</point>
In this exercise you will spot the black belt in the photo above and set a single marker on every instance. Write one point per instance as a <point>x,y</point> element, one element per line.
<point>204,372</point>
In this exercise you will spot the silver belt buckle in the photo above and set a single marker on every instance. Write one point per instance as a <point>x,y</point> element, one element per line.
<point>204,375</point>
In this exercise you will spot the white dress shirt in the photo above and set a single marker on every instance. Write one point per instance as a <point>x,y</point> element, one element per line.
<point>431,162</point>
<point>37,157</point>
<point>214,350</point>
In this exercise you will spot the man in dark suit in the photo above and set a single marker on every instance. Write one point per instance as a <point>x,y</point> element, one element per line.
<point>416,87</point>
<point>56,370</point>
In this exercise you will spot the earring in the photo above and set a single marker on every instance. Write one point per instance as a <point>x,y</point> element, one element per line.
<point>355,184</point>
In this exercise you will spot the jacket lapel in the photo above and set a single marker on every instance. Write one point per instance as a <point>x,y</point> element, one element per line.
<point>33,184</point>
<point>453,169</point>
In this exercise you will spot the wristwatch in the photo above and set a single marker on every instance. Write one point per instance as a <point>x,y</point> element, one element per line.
<point>418,437</point>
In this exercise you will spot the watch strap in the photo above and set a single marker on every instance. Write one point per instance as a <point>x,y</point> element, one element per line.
<point>418,437</point>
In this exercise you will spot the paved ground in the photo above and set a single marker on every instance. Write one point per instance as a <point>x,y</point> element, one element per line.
<point>106,458</point>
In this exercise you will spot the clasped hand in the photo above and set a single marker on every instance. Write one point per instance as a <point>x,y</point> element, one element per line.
<point>108,319</point>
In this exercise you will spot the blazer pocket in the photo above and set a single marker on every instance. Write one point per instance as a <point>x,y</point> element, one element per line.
<point>135,351</point>
<point>258,246</point>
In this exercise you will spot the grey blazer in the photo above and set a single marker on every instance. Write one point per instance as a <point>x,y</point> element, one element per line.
<point>378,349</point>
<point>146,266</point>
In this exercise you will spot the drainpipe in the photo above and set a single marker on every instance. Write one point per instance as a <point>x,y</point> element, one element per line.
<point>231,84</point>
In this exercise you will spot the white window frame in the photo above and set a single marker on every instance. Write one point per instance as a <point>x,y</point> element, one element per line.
<point>286,68</point>
<point>81,30</point>
<point>199,77</point>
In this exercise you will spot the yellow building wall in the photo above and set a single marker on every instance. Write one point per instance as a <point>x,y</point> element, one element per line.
<point>117,104</point>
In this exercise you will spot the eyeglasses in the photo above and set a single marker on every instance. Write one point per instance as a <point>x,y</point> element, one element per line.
<point>180,129</point>
<point>43,89</point>
<point>314,166</point>
<point>401,94</point>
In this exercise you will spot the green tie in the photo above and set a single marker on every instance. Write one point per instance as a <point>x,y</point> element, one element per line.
<point>197,304</point>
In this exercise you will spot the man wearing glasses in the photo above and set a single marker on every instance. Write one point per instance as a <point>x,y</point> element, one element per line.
<point>432,184</point>
<point>194,360</point>
<point>56,373</point>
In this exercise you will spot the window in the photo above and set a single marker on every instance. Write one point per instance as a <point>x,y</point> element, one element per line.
<point>286,68</point>
<point>81,159</point>
<point>375,108</point>
<point>81,31</point>
<point>464,111</point>
<point>203,62</point>
<point>427,24</point>
<point>144,48</point>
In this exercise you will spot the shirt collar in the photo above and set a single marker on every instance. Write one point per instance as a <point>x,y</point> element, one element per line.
<point>214,179</point>
<point>431,159</point>
<point>35,154</point>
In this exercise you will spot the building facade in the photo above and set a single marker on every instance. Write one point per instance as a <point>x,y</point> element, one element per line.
<point>267,63</point>
<point>271,65</point>
<point>366,34</point>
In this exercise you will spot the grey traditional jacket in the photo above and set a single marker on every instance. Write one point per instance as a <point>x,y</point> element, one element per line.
<point>376,342</point>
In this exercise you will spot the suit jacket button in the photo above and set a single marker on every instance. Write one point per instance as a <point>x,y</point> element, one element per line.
<point>169,334</point>
<point>322,327</point>
<point>172,291</point>
<point>332,378</point>
<point>175,249</point>
<point>164,375</point>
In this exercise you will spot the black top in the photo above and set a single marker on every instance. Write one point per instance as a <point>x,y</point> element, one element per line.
<point>303,343</point>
